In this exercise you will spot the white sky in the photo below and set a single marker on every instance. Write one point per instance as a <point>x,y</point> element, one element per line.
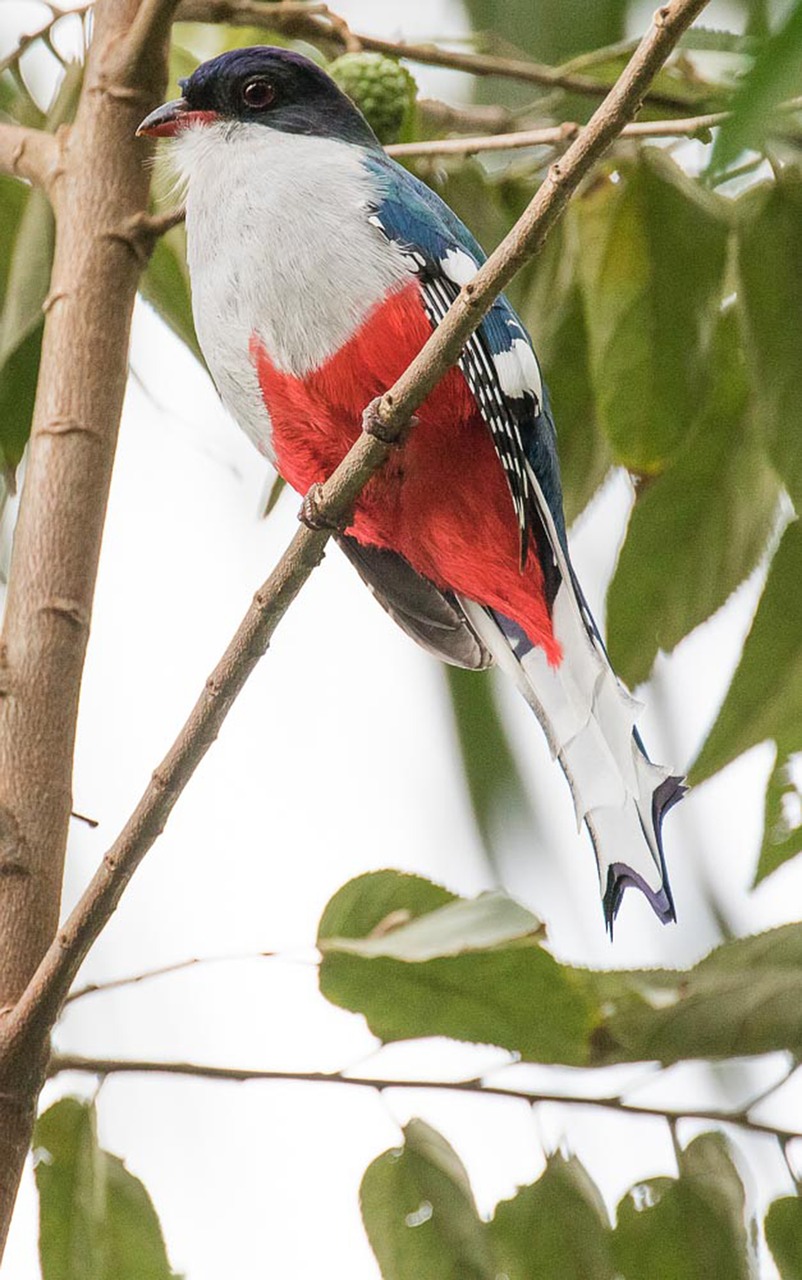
<point>339,757</point>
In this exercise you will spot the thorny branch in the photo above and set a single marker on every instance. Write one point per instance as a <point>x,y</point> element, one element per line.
<point>740,1118</point>
<point>39,1005</point>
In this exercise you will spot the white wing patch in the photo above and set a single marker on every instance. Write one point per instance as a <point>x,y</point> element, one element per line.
<point>517,371</point>
<point>458,266</point>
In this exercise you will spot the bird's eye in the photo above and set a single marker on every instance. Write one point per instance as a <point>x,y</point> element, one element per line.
<point>258,94</point>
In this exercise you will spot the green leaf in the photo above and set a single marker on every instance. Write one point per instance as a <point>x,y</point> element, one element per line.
<point>743,998</point>
<point>480,975</point>
<point>765,697</point>
<point>29,256</point>
<point>96,1220</point>
<point>769,240</point>
<point>693,537</point>
<point>784,1236</point>
<point>420,1215</point>
<point>563,27</point>
<point>165,285</point>
<point>558,1226</point>
<point>492,775</point>
<point>652,257</point>
<point>782,823</point>
<point>689,1228</point>
<point>776,75</point>
<point>550,301</point>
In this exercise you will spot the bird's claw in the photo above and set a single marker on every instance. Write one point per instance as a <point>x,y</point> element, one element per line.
<point>373,424</point>
<point>311,515</point>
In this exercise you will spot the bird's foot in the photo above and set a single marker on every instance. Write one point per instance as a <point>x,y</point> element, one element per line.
<point>374,425</point>
<point>311,515</point>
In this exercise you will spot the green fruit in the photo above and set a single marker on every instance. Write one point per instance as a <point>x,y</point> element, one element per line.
<point>383,90</point>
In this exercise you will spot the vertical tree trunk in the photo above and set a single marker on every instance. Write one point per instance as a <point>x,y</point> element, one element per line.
<point>82,379</point>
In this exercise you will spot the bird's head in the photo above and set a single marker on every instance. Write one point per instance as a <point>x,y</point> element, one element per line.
<point>263,87</point>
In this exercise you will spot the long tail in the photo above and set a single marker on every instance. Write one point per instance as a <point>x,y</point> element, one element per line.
<point>589,720</point>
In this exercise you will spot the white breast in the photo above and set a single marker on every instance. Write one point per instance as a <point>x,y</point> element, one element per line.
<point>279,245</point>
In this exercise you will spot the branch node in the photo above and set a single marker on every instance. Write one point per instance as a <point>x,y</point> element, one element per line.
<point>67,426</point>
<point>661,15</point>
<point>54,296</point>
<point>555,174</point>
<point>71,611</point>
<point>120,92</point>
<point>137,235</point>
<point>12,869</point>
<point>159,781</point>
<point>314,517</point>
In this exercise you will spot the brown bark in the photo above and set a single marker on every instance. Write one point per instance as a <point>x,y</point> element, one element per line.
<point>102,185</point>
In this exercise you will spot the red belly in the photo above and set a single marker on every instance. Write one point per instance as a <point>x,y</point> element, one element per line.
<point>442,499</point>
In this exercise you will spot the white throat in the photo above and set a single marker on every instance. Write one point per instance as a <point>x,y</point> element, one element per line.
<point>279,246</point>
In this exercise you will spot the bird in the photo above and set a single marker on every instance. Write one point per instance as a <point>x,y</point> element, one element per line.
<point>319,267</point>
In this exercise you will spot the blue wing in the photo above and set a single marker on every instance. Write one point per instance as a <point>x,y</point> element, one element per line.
<point>498,361</point>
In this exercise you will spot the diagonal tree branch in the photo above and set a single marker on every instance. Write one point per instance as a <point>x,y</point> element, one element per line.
<point>38,1007</point>
<point>740,1118</point>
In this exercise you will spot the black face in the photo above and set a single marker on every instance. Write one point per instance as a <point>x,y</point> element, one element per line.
<point>276,88</point>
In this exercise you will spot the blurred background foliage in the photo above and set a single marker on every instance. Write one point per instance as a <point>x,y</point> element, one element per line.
<point>667,312</point>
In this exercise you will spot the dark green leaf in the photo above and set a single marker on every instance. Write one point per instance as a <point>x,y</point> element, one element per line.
<point>274,492</point>
<point>744,998</point>
<point>769,242</point>
<point>562,28</point>
<point>782,823</point>
<point>165,285</point>
<point>765,697</point>
<point>784,1236</point>
<point>652,257</point>
<point>776,74</point>
<point>550,301</point>
<point>420,1215</point>
<point>491,770</point>
<point>555,1227</point>
<point>690,1228</point>
<point>471,984</point>
<point>96,1220</point>
<point>22,323</point>
<point>693,537</point>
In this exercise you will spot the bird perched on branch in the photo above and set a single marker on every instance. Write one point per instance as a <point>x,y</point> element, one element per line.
<point>319,268</point>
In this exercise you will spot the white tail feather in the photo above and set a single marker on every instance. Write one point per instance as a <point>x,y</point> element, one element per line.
<point>589,718</point>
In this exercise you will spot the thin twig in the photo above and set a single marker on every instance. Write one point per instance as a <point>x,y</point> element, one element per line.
<point>162,971</point>
<point>741,1119</point>
<point>555,136</point>
<point>38,1007</point>
<point>31,154</point>
<point>41,33</point>
<point>687,127</point>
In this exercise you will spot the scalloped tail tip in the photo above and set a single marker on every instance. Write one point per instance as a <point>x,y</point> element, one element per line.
<point>621,877</point>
